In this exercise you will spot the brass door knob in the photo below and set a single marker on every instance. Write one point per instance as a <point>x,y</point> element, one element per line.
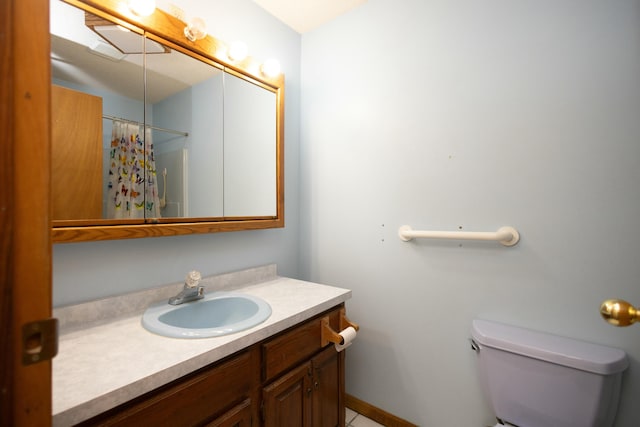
<point>619,312</point>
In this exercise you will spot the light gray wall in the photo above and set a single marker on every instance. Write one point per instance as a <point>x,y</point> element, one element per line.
<point>85,271</point>
<point>446,114</point>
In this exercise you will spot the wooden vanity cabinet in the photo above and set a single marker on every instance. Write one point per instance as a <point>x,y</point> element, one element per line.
<point>328,389</point>
<point>310,395</point>
<point>239,416</point>
<point>305,382</point>
<point>286,380</point>
<point>206,397</point>
<point>287,401</point>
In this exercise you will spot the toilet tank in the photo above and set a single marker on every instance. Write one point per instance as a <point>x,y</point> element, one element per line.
<point>534,379</point>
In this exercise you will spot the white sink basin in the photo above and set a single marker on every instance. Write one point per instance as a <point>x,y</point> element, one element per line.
<point>219,313</point>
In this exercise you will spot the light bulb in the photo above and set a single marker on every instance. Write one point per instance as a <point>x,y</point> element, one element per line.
<point>270,68</point>
<point>196,29</point>
<point>142,7</point>
<point>238,51</point>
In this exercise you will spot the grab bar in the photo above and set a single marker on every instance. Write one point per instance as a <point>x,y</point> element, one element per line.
<point>508,236</point>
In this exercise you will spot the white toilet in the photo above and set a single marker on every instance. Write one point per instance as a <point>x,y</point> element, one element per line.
<point>533,379</point>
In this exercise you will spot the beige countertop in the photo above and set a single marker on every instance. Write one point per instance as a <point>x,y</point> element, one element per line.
<point>102,363</point>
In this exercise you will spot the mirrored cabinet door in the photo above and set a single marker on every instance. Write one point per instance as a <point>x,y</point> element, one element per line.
<point>97,75</point>
<point>185,112</point>
<point>250,180</point>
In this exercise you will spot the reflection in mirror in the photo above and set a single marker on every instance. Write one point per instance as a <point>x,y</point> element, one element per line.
<point>249,151</point>
<point>84,95</point>
<point>186,93</point>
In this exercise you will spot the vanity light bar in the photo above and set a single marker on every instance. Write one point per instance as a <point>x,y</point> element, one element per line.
<point>237,51</point>
<point>142,7</point>
<point>270,68</point>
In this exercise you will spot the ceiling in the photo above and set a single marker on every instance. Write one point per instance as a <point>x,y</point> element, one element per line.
<point>306,15</point>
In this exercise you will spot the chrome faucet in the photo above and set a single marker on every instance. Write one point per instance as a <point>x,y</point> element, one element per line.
<point>191,291</point>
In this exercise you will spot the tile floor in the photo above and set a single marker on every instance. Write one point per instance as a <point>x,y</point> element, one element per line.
<point>353,419</point>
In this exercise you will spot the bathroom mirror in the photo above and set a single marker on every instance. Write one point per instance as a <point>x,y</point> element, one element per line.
<point>92,81</point>
<point>187,131</point>
<point>208,133</point>
<point>247,147</point>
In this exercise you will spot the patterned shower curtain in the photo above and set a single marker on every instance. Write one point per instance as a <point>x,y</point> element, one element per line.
<point>131,165</point>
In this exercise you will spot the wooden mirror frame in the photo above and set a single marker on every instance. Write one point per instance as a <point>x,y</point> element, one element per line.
<point>161,25</point>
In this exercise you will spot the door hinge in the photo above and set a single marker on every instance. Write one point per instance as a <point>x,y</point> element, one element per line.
<point>39,341</point>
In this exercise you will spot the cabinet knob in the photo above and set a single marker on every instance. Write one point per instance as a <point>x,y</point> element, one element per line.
<point>316,384</point>
<point>309,391</point>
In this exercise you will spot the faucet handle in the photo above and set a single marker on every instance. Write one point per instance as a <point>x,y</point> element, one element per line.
<point>193,278</point>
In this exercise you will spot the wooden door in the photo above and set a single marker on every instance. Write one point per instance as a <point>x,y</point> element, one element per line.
<point>76,155</point>
<point>25,220</point>
<point>287,402</point>
<point>327,408</point>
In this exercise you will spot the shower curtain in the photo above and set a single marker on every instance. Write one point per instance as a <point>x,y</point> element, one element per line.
<point>132,187</point>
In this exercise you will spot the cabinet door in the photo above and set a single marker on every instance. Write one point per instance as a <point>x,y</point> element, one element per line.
<point>287,401</point>
<point>239,416</point>
<point>328,409</point>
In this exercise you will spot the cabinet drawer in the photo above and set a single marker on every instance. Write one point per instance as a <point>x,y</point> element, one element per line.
<point>295,345</point>
<point>190,401</point>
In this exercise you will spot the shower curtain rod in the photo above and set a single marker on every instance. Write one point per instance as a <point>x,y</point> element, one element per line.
<point>175,132</point>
